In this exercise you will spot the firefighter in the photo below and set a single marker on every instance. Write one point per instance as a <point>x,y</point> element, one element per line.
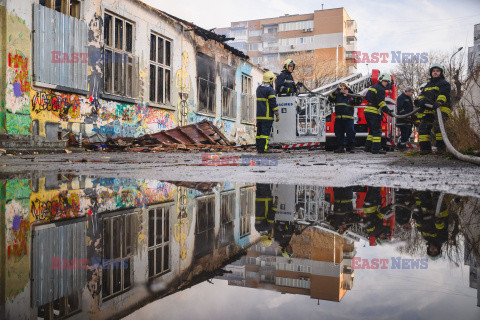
<point>404,204</point>
<point>265,209</point>
<point>431,224</point>
<point>375,219</point>
<point>419,115</point>
<point>343,216</point>
<point>437,95</point>
<point>344,110</point>
<point>374,112</point>
<point>285,85</point>
<point>404,106</point>
<point>266,108</point>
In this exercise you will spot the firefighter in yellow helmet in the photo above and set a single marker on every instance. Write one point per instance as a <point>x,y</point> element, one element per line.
<point>285,85</point>
<point>266,108</point>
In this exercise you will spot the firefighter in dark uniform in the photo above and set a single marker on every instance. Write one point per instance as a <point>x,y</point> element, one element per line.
<point>266,108</point>
<point>432,223</point>
<point>437,95</point>
<point>265,209</point>
<point>374,217</point>
<point>343,216</point>
<point>285,85</point>
<point>404,106</point>
<point>419,115</point>
<point>404,205</point>
<point>374,112</point>
<point>344,111</point>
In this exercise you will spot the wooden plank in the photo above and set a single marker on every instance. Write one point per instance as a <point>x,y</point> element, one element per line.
<point>172,137</point>
<point>204,134</point>
<point>181,130</point>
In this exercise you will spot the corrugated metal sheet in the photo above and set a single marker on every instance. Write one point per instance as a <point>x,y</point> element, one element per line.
<point>55,31</point>
<point>65,242</point>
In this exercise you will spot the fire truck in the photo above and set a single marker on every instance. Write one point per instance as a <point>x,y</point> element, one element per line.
<point>308,119</point>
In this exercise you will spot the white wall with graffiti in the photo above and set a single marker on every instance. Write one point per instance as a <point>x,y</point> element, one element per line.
<point>141,75</point>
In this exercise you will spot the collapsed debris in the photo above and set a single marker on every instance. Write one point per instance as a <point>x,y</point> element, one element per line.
<point>202,136</point>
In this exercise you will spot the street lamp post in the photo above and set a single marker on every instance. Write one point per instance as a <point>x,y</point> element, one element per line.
<point>450,63</point>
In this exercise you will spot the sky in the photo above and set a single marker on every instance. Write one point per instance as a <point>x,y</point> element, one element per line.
<point>411,26</point>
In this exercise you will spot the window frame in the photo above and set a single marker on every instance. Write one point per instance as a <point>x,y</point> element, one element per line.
<point>166,68</point>
<point>70,8</point>
<point>209,83</point>
<point>127,80</point>
<point>165,211</point>
<point>229,105</point>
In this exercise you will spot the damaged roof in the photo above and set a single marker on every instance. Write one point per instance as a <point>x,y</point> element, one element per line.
<point>204,33</point>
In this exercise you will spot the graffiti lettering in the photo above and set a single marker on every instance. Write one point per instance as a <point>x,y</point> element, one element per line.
<point>59,207</point>
<point>61,105</point>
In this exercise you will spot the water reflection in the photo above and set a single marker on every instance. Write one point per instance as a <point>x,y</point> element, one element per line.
<point>98,248</point>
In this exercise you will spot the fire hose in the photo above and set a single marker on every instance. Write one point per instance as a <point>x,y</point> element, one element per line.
<point>457,154</point>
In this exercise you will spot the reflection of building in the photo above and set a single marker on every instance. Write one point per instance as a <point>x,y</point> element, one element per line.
<point>327,34</point>
<point>474,272</point>
<point>77,244</point>
<point>474,51</point>
<point>320,267</point>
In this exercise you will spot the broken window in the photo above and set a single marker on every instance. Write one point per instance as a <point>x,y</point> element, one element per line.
<point>248,107</point>
<point>119,239</point>
<point>68,7</point>
<point>62,308</point>
<point>206,83</point>
<point>160,69</point>
<point>158,241</point>
<point>120,65</point>
<point>247,210</point>
<point>228,92</point>
<point>204,227</point>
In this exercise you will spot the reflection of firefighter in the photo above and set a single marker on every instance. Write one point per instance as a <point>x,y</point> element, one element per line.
<point>265,209</point>
<point>437,95</point>
<point>431,216</point>
<point>284,231</point>
<point>404,202</point>
<point>376,220</point>
<point>343,216</point>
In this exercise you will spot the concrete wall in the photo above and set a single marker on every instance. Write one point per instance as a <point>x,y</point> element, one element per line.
<point>28,107</point>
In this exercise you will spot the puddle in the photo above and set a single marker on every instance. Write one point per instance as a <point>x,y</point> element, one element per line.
<point>95,248</point>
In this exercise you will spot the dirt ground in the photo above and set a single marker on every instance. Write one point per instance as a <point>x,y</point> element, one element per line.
<point>295,167</point>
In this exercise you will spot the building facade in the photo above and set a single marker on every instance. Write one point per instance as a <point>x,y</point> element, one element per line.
<point>474,51</point>
<point>328,35</point>
<point>105,69</point>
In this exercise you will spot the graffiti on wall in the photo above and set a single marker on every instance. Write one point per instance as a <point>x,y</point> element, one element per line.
<point>62,205</point>
<point>18,78</point>
<point>182,82</point>
<point>63,106</point>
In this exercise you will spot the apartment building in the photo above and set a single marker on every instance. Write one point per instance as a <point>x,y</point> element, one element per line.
<point>328,35</point>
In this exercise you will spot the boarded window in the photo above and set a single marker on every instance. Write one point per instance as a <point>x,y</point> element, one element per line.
<point>120,64</point>
<point>160,69</point>
<point>60,57</point>
<point>228,92</point>
<point>158,241</point>
<point>206,83</point>
<point>205,226</point>
<point>247,100</point>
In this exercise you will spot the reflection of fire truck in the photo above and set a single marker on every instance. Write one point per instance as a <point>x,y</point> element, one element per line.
<point>309,120</point>
<point>360,85</point>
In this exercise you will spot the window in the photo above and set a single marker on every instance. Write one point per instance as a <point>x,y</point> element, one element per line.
<point>270,30</point>
<point>247,209</point>
<point>160,69</point>
<point>68,7</point>
<point>255,46</point>
<point>60,58</point>
<point>257,60</point>
<point>296,41</point>
<point>120,65</point>
<point>298,25</point>
<point>119,239</point>
<point>228,92</point>
<point>62,308</point>
<point>294,283</point>
<point>204,227</point>
<point>158,241</point>
<point>227,213</point>
<point>255,33</point>
<point>206,83</point>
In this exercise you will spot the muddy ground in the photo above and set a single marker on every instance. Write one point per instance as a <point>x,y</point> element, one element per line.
<point>296,167</point>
